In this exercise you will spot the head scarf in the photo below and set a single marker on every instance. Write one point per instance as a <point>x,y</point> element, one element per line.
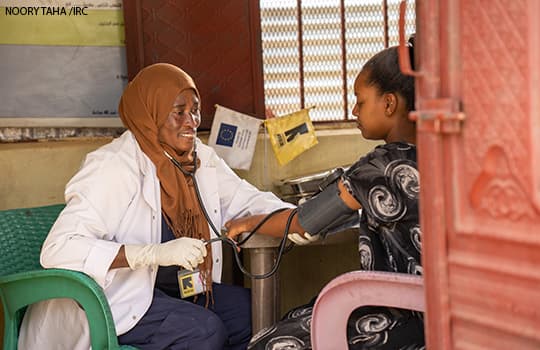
<point>144,108</point>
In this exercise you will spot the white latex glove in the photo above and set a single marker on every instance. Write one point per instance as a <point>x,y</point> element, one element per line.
<point>304,239</point>
<point>186,252</point>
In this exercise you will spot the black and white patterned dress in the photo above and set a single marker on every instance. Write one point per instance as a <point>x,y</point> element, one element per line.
<point>386,183</point>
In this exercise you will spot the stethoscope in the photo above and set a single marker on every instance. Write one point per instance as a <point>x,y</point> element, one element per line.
<point>282,246</point>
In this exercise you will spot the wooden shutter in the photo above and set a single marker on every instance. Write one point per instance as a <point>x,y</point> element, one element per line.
<point>216,42</point>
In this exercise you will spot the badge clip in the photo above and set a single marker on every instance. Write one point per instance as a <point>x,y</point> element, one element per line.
<point>190,283</point>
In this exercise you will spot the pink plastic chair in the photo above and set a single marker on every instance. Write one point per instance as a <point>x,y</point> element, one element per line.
<point>351,290</point>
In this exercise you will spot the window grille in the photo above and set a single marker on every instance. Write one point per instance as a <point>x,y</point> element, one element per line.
<point>313,50</point>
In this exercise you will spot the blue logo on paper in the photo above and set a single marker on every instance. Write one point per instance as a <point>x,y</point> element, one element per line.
<point>226,135</point>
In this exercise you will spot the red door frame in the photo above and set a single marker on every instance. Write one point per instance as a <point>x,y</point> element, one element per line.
<point>480,207</point>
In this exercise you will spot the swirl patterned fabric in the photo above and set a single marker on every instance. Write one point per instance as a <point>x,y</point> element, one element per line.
<point>386,183</point>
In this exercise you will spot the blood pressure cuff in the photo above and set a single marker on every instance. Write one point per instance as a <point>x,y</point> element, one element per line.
<point>325,212</point>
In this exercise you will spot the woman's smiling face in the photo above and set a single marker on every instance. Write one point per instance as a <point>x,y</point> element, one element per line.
<point>180,128</point>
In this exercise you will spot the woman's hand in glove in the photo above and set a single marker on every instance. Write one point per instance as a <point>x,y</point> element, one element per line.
<point>184,251</point>
<point>304,239</point>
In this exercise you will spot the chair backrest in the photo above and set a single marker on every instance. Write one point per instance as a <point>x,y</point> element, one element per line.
<point>22,232</point>
<point>354,289</point>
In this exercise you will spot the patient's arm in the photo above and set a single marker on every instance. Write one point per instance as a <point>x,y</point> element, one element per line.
<point>276,224</point>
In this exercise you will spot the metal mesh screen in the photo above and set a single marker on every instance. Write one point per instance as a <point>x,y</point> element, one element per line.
<point>281,63</point>
<point>312,54</point>
<point>364,37</point>
<point>323,72</point>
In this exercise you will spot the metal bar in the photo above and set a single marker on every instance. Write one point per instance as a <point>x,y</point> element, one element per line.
<point>344,61</point>
<point>403,49</point>
<point>264,292</point>
<point>301,52</point>
<point>385,19</point>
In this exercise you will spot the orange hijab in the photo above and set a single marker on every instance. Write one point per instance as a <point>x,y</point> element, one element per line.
<point>144,107</point>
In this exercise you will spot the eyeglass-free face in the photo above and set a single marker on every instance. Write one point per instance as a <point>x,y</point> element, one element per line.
<point>180,128</point>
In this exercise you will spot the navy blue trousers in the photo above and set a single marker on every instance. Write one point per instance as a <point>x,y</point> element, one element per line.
<point>176,324</point>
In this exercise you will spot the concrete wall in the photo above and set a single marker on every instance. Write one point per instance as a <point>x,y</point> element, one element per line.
<point>336,147</point>
<point>35,173</point>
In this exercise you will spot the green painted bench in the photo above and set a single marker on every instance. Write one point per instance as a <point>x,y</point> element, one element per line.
<point>23,281</point>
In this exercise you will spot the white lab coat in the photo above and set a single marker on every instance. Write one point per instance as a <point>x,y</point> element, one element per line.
<point>115,199</point>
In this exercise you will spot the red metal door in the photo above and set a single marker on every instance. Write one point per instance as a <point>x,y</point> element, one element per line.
<point>479,60</point>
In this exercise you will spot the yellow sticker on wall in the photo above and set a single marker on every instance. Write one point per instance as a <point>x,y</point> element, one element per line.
<point>291,135</point>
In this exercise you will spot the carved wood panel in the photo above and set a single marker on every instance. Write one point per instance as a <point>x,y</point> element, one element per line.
<point>217,43</point>
<point>495,86</point>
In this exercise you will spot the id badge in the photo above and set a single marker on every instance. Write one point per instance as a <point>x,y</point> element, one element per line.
<point>189,283</point>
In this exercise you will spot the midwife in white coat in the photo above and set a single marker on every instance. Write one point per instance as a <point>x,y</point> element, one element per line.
<point>132,221</point>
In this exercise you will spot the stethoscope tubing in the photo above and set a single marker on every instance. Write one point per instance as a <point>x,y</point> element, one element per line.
<point>232,243</point>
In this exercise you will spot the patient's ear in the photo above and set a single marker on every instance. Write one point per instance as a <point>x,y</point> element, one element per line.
<point>390,103</point>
